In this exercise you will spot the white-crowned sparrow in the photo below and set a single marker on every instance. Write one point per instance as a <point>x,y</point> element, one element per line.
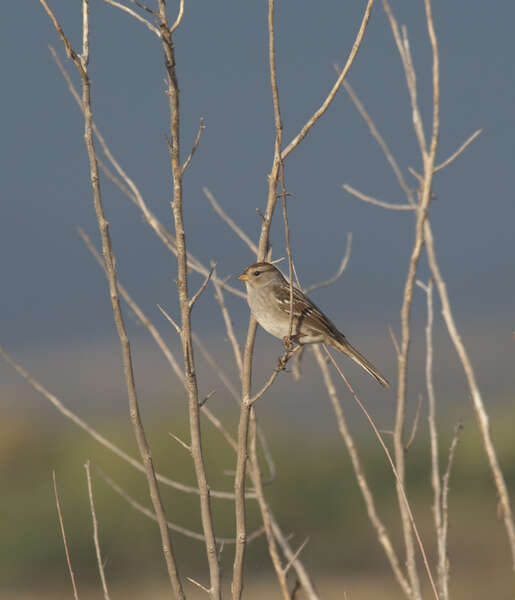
<point>268,295</point>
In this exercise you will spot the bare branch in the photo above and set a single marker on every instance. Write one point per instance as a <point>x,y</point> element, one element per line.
<point>475,394</point>
<point>228,325</point>
<point>169,318</point>
<point>196,142</point>
<point>202,287</point>
<point>202,587</point>
<point>65,542</point>
<point>225,217</point>
<point>455,155</point>
<point>296,555</point>
<point>380,140</point>
<point>180,442</point>
<point>179,17</point>
<point>368,498</point>
<point>135,15</point>
<point>109,260</point>
<point>374,201</point>
<point>325,104</point>
<point>399,480</point>
<point>95,532</point>
<point>338,274</point>
<point>197,452</point>
<point>151,515</point>
<point>415,423</point>
<point>129,188</point>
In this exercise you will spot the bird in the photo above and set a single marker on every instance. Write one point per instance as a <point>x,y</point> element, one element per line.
<point>268,296</point>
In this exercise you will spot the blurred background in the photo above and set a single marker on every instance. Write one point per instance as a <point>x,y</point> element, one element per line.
<point>56,314</point>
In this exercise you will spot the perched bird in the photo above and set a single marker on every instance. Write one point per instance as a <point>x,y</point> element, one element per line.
<point>268,295</point>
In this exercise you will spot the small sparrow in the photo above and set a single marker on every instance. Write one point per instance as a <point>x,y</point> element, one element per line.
<point>268,295</point>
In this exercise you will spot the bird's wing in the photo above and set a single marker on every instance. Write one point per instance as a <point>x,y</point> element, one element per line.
<point>306,311</point>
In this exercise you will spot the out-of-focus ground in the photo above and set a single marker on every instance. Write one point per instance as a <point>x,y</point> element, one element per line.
<point>314,495</point>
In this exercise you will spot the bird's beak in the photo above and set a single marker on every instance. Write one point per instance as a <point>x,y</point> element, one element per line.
<point>243,277</point>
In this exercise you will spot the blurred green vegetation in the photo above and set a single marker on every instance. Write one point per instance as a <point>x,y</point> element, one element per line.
<point>314,495</point>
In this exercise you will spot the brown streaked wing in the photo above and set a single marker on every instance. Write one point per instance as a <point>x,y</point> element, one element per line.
<point>307,311</point>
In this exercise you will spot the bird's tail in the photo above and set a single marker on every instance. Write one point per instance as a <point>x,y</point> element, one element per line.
<point>344,346</point>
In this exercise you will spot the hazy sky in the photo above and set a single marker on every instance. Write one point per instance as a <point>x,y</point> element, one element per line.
<point>54,295</point>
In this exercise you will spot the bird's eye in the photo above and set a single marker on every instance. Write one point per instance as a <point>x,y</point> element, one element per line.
<point>256,273</point>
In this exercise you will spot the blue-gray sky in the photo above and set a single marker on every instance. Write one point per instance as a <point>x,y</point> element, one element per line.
<point>53,295</point>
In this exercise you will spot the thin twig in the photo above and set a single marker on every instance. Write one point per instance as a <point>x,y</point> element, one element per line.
<point>219,296</point>
<point>380,140</point>
<point>375,520</point>
<point>197,452</point>
<point>169,319</point>
<point>415,424</point>
<point>196,296</point>
<point>225,217</point>
<point>98,436</point>
<point>334,90</point>
<point>455,155</point>
<point>130,189</point>
<point>178,20</point>
<point>339,273</point>
<point>135,15</point>
<point>95,532</point>
<point>374,201</point>
<point>195,144</point>
<point>400,482</point>
<point>65,542</point>
<point>109,260</point>
<point>151,515</point>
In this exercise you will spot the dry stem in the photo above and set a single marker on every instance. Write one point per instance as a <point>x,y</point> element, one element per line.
<point>109,260</point>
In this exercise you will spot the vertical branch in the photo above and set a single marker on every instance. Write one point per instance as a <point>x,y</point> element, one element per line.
<point>475,393</point>
<point>65,542</point>
<point>95,533</point>
<point>139,432</point>
<point>258,485</point>
<point>263,246</point>
<point>424,200</point>
<point>442,569</point>
<point>185,305</point>
<point>381,532</point>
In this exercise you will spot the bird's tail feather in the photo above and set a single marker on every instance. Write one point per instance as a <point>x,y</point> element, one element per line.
<point>357,357</point>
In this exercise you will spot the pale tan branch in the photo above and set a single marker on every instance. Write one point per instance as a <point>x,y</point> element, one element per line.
<point>225,217</point>
<point>219,296</point>
<point>380,140</point>
<point>201,288</point>
<point>199,585</point>
<point>282,363</point>
<point>135,15</point>
<point>399,480</point>
<point>195,143</point>
<point>109,260</point>
<point>475,394</point>
<point>169,355</point>
<point>178,20</point>
<point>99,437</point>
<point>130,189</point>
<point>194,409</point>
<point>65,542</point>
<point>338,274</point>
<point>374,201</point>
<point>151,515</point>
<point>334,90</point>
<point>414,427</point>
<point>455,155</point>
<point>296,555</point>
<point>380,529</point>
<point>96,541</point>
